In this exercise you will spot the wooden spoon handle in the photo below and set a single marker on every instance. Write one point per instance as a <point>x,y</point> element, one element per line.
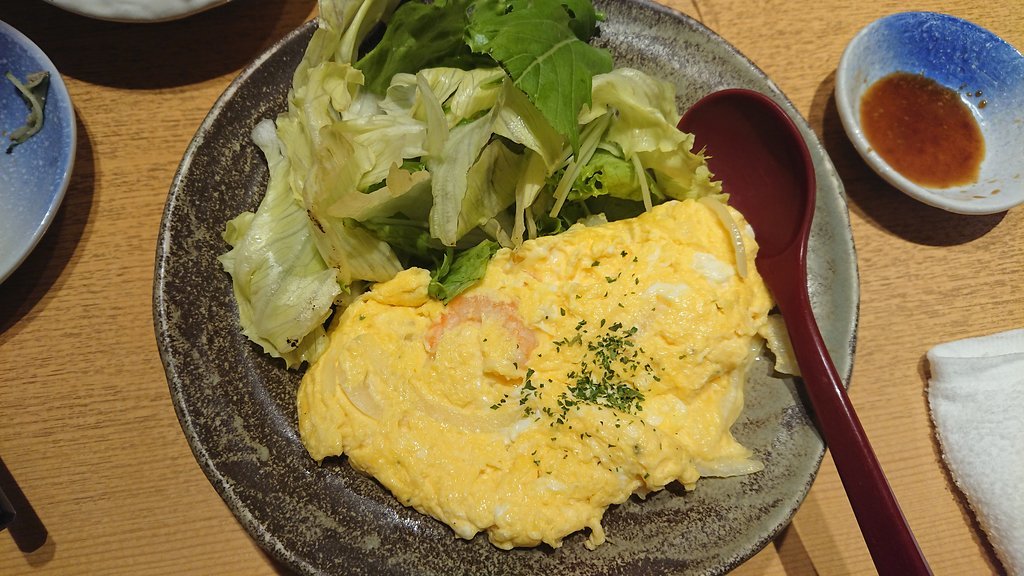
<point>886,532</point>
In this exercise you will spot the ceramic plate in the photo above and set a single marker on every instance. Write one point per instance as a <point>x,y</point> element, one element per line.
<point>236,405</point>
<point>35,174</point>
<point>136,10</point>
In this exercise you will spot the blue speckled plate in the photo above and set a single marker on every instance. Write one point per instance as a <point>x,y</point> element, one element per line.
<point>34,176</point>
<point>966,58</point>
<point>237,405</point>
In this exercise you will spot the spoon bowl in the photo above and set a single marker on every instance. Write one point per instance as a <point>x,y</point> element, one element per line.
<point>718,121</point>
<point>757,152</point>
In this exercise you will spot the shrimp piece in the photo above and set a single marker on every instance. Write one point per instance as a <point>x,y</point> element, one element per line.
<point>480,309</point>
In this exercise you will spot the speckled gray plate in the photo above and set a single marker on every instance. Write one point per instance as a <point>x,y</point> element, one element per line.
<point>236,405</point>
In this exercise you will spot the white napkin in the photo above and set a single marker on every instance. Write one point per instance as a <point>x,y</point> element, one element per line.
<point>976,394</point>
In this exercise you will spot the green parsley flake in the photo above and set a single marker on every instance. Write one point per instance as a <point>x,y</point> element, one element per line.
<point>603,377</point>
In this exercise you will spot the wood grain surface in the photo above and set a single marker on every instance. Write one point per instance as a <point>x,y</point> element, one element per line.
<point>91,450</point>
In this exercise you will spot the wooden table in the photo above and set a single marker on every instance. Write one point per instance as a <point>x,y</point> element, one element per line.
<point>87,428</point>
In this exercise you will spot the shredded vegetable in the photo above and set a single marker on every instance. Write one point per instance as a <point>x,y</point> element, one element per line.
<point>739,248</point>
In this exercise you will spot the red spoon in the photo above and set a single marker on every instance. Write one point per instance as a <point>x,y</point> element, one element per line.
<point>764,165</point>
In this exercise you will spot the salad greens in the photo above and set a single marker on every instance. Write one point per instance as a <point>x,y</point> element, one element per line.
<point>454,276</point>
<point>465,127</point>
<point>543,47</point>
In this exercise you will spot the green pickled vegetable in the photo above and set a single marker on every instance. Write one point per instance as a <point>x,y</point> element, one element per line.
<point>33,91</point>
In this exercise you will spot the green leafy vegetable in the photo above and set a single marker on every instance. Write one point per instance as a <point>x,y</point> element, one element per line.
<point>607,174</point>
<point>282,285</point>
<point>490,185</point>
<point>468,125</point>
<point>450,173</point>
<point>410,238</point>
<point>537,42</point>
<point>541,44</point>
<point>421,36</point>
<point>644,129</point>
<point>458,273</point>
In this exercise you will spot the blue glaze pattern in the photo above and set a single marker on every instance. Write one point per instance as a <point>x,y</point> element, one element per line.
<point>949,50</point>
<point>35,175</point>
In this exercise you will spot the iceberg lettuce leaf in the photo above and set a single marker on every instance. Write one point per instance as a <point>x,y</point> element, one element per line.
<point>644,127</point>
<point>531,182</point>
<point>645,111</point>
<point>283,288</point>
<point>607,174</point>
<point>450,175</point>
<point>462,94</point>
<point>333,198</point>
<point>490,186</point>
<point>521,122</point>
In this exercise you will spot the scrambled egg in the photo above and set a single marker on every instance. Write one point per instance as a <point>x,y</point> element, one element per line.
<point>584,367</point>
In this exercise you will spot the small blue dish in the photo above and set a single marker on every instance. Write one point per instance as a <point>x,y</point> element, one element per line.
<point>35,175</point>
<point>983,69</point>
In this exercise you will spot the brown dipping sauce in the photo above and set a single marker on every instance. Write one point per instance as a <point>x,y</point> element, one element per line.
<point>923,130</point>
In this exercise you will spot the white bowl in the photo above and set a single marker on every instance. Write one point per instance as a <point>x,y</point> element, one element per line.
<point>136,10</point>
<point>956,54</point>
